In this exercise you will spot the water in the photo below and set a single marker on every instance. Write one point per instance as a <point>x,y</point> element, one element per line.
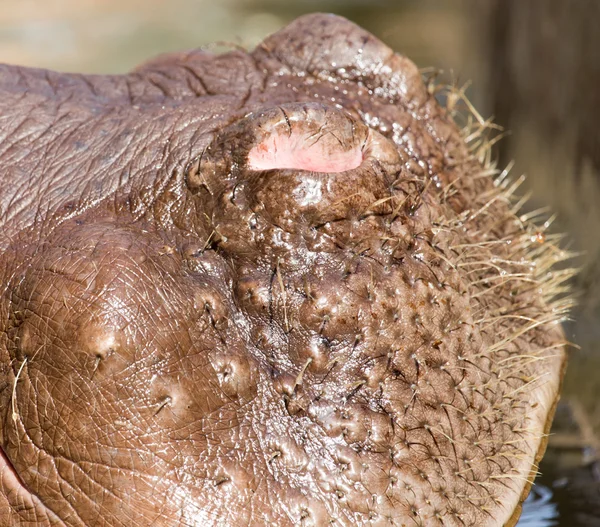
<point>539,510</point>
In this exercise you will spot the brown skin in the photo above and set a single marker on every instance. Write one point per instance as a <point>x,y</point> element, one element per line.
<point>190,342</point>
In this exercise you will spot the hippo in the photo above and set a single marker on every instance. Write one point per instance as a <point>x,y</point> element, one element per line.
<point>279,287</point>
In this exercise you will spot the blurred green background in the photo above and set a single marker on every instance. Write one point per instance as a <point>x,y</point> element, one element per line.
<point>535,66</point>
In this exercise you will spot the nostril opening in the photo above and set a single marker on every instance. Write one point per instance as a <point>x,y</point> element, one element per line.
<point>321,151</point>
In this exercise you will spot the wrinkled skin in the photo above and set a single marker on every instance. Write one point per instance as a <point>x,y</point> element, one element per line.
<point>265,288</point>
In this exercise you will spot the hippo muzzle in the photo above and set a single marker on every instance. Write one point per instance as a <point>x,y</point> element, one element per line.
<point>268,288</point>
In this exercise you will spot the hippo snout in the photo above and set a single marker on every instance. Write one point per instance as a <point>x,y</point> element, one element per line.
<point>275,287</point>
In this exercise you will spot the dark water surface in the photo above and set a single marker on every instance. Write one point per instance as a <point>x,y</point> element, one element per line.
<point>535,65</point>
<point>539,509</point>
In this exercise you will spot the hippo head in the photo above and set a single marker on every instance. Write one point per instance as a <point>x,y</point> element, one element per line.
<point>267,288</point>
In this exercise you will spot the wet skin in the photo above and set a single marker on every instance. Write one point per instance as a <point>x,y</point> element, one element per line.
<point>265,288</point>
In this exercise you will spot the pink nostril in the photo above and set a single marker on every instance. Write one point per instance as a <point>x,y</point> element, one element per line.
<point>322,152</point>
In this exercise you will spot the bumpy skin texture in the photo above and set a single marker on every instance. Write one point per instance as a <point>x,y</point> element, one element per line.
<point>190,341</point>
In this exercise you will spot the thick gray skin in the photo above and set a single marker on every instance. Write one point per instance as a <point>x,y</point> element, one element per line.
<point>188,341</point>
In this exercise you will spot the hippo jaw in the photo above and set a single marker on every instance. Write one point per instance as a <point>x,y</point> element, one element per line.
<point>267,288</point>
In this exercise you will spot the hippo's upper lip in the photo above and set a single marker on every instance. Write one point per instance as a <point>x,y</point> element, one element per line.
<point>9,474</point>
<point>11,481</point>
<point>6,466</point>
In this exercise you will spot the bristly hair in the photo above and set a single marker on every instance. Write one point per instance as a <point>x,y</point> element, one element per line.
<point>512,255</point>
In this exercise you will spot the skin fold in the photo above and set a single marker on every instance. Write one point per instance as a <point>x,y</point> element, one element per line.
<point>278,287</point>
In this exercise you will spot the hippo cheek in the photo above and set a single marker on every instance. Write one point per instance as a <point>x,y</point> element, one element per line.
<point>120,387</point>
